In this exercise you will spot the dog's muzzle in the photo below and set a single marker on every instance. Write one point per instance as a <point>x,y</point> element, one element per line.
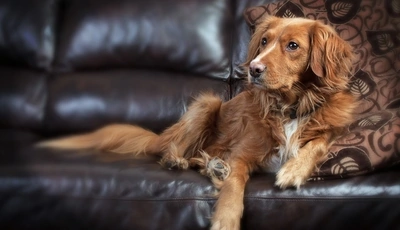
<point>256,68</point>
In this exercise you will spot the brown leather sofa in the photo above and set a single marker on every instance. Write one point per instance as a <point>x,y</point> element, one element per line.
<point>70,66</point>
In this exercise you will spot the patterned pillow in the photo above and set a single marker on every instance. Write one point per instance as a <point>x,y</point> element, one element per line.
<point>372,27</point>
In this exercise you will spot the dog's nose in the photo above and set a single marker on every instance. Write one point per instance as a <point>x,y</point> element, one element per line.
<point>256,69</point>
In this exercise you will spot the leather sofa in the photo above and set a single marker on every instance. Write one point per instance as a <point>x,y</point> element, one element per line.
<point>71,66</point>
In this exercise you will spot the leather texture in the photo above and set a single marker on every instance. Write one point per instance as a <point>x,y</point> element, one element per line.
<point>23,94</point>
<point>153,99</point>
<point>194,36</point>
<point>70,66</point>
<point>27,35</point>
<point>81,190</point>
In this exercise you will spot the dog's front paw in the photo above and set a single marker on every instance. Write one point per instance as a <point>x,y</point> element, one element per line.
<point>226,224</point>
<point>293,174</point>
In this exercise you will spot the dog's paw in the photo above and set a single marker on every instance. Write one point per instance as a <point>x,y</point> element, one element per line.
<point>226,224</point>
<point>292,174</point>
<point>217,168</point>
<point>174,162</point>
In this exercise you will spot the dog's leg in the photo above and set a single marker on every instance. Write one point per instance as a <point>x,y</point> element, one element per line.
<point>229,207</point>
<point>297,170</point>
<point>184,139</point>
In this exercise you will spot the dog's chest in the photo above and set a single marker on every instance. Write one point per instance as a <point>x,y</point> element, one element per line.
<point>290,146</point>
<point>290,129</point>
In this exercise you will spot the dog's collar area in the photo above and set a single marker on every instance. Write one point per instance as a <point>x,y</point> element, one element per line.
<point>293,113</point>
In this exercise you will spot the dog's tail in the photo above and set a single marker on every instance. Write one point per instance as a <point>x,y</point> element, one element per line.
<point>117,138</point>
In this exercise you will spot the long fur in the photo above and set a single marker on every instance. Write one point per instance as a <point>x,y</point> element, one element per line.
<point>289,116</point>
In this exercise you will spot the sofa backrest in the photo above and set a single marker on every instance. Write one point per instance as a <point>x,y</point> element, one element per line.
<point>75,65</point>
<point>27,47</point>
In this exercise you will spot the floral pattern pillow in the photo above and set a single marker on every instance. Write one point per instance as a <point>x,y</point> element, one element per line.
<point>372,27</point>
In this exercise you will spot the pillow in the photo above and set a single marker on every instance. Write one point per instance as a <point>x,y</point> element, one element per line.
<point>373,29</point>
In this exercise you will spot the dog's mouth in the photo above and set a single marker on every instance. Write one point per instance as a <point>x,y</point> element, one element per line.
<point>258,82</point>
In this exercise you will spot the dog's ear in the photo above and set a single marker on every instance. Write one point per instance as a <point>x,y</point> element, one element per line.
<point>331,56</point>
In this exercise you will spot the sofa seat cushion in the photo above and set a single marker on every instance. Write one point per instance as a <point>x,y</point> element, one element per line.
<point>50,189</point>
<point>89,190</point>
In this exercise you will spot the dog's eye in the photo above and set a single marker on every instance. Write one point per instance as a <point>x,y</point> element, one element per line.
<point>263,41</point>
<point>292,46</point>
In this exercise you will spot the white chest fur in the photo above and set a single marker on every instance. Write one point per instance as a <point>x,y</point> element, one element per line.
<point>289,148</point>
<point>290,128</point>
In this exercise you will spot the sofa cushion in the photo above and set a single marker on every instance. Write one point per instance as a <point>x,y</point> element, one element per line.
<point>83,101</point>
<point>88,190</point>
<point>372,28</point>
<point>27,35</point>
<point>185,36</point>
<point>22,98</point>
<point>50,189</point>
<point>373,142</point>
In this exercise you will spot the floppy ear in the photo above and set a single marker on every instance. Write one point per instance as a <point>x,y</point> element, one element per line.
<point>331,56</point>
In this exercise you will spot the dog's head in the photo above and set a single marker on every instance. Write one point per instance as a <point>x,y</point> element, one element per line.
<point>284,51</point>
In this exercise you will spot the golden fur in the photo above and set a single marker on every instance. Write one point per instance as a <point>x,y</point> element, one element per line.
<point>296,105</point>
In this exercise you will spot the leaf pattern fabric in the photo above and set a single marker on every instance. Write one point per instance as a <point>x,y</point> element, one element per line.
<point>372,27</point>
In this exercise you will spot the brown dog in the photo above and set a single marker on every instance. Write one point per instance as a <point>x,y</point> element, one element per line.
<point>297,104</point>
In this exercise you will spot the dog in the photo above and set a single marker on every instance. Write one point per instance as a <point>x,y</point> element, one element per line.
<point>296,105</point>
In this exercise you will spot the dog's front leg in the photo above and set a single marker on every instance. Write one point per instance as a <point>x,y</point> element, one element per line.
<point>298,169</point>
<point>229,207</point>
